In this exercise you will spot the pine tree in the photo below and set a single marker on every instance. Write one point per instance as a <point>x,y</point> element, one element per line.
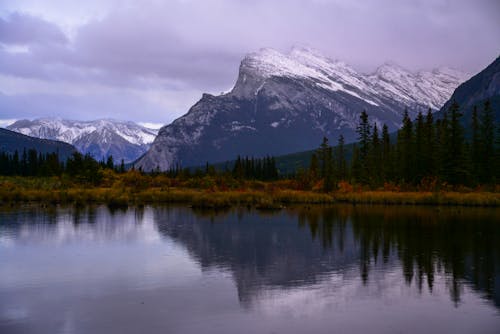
<point>376,158</point>
<point>122,167</point>
<point>387,159</point>
<point>329,180</point>
<point>406,152</point>
<point>323,157</point>
<point>313,167</point>
<point>430,148</point>
<point>497,156</point>
<point>238,170</point>
<point>15,163</point>
<point>455,158</point>
<point>110,164</point>
<point>356,168</point>
<point>487,143</point>
<point>363,130</point>
<point>341,160</point>
<point>420,156</point>
<point>476,146</point>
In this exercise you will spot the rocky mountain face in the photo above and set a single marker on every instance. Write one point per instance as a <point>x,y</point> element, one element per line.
<point>474,92</point>
<point>11,141</point>
<point>100,138</point>
<point>284,103</point>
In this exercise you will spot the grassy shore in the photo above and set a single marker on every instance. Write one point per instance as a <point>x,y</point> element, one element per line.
<point>272,195</point>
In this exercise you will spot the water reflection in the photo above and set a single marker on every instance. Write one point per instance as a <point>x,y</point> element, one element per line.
<point>462,244</point>
<point>174,269</point>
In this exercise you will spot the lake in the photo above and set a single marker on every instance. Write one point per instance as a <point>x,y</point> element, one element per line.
<point>335,269</point>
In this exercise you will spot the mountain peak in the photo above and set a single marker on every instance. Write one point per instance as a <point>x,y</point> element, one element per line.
<point>278,96</point>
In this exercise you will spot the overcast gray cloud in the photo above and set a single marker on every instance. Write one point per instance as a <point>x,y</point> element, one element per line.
<point>150,60</point>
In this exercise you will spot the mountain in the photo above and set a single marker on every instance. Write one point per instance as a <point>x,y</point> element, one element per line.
<point>11,141</point>
<point>100,138</point>
<point>283,103</point>
<point>474,92</point>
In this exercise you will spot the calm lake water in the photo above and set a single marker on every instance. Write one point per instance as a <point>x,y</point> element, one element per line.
<point>338,269</point>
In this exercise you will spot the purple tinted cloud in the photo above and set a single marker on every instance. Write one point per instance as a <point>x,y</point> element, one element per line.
<point>195,46</point>
<point>20,28</point>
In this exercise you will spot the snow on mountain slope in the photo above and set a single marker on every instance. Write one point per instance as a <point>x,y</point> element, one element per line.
<point>284,103</point>
<point>389,81</point>
<point>430,88</point>
<point>101,138</point>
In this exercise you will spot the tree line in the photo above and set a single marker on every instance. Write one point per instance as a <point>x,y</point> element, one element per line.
<point>243,168</point>
<point>81,167</point>
<point>425,152</point>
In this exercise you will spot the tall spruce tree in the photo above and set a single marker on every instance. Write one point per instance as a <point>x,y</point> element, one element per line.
<point>387,159</point>
<point>364,141</point>
<point>475,147</point>
<point>420,157</point>
<point>487,143</point>
<point>341,159</point>
<point>325,156</point>
<point>375,158</point>
<point>406,152</point>
<point>455,163</point>
<point>430,148</point>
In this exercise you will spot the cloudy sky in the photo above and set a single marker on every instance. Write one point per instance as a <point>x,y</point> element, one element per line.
<point>150,60</point>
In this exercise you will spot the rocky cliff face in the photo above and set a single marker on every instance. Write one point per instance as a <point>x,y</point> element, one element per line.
<point>287,103</point>
<point>474,92</point>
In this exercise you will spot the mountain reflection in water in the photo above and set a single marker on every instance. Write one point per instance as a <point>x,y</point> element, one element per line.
<point>299,262</point>
<point>303,245</point>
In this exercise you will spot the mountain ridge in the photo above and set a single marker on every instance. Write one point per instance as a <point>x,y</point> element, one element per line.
<point>101,138</point>
<point>285,103</point>
<point>11,141</point>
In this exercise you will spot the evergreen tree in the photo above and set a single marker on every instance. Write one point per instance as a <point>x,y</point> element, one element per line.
<point>420,153</point>
<point>356,168</point>
<point>238,171</point>
<point>313,167</point>
<point>476,146</point>
<point>455,169</point>
<point>487,143</point>
<point>110,164</point>
<point>387,159</point>
<point>430,148</point>
<point>122,167</point>
<point>15,163</point>
<point>376,158</point>
<point>406,152</point>
<point>323,157</point>
<point>341,159</point>
<point>363,130</point>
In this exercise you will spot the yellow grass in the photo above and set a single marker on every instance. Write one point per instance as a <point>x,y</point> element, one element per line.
<point>266,195</point>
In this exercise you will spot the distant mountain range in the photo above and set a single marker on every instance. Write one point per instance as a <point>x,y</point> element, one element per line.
<point>100,138</point>
<point>284,103</point>
<point>11,141</point>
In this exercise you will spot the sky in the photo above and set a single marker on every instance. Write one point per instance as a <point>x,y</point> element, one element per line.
<point>150,60</point>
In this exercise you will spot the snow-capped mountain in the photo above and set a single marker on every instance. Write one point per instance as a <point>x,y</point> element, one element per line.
<point>283,103</point>
<point>101,138</point>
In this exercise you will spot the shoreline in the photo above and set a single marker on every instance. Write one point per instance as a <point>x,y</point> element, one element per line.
<point>260,199</point>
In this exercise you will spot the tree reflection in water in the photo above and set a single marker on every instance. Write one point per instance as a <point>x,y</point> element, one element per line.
<point>268,249</point>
